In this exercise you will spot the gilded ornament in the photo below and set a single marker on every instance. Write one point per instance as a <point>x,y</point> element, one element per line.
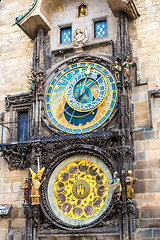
<point>80,189</point>
<point>36,183</point>
<point>130,181</point>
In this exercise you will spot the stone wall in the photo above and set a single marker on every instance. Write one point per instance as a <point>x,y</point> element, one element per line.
<point>145,38</point>
<point>15,57</point>
<point>66,14</point>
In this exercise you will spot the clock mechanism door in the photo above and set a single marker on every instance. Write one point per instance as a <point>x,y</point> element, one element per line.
<point>81,97</point>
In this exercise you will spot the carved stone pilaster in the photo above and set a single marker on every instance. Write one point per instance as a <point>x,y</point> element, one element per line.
<point>27,210</point>
<point>132,215</point>
<point>123,47</point>
<point>38,65</point>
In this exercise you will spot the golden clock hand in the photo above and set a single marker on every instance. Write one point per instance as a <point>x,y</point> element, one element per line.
<point>87,72</point>
<point>83,86</point>
<point>89,86</point>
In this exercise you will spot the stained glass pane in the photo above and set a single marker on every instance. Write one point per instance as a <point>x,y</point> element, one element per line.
<point>23,126</point>
<point>66,35</point>
<point>100,28</point>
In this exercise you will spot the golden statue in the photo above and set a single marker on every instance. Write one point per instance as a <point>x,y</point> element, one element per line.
<point>36,178</point>
<point>117,69</point>
<point>129,182</point>
<point>83,11</point>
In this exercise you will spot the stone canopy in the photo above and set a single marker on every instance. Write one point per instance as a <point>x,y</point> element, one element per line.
<point>41,11</point>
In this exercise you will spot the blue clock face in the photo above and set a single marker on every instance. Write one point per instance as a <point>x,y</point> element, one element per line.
<point>81,91</point>
<point>81,97</point>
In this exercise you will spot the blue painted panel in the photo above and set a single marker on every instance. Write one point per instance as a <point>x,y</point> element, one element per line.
<point>99,67</point>
<point>53,82</point>
<point>74,66</point>
<point>114,95</point>
<point>100,29</point>
<point>66,35</point>
<point>86,130</point>
<point>77,131</point>
<point>108,113</point>
<point>102,120</point>
<point>82,64</point>
<point>105,71</point>
<point>110,79</point>
<point>91,64</point>
<point>112,104</point>
<point>66,69</point>
<point>48,107</point>
<point>54,121</point>
<point>59,75</point>
<point>48,97</point>
<point>49,90</point>
<point>94,126</point>
<point>61,127</point>
<point>50,114</point>
<point>68,130</point>
<point>113,87</point>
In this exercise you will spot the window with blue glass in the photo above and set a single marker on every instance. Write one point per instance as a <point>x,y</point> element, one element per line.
<point>22,126</point>
<point>100,28</point>
<point>66,35</point>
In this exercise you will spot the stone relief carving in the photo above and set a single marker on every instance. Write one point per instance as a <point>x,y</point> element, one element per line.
<point>80,37</point>
<point>17,236</point>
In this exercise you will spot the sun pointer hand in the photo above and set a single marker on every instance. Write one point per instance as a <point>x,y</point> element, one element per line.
<point>87,72</point>
<point>89,86</point>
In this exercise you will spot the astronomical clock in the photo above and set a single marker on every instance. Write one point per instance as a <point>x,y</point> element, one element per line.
<point>80,99</point>
<point>76,122</point>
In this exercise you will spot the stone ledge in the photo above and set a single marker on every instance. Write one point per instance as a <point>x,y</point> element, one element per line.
<point>148,234</point>
<point>42,11</point>
<point>127,6</point>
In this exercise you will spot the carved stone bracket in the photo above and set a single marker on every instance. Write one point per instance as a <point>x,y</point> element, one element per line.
<point>16,155</point>
<point>22,155</point>
<point>125,150</point>
<point>127,6</point>
<point>17,99</point>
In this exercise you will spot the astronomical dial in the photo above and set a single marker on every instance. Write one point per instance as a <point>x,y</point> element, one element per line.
<point>81,97</point>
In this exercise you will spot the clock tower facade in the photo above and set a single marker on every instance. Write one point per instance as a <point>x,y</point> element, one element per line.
<point>74,128</point>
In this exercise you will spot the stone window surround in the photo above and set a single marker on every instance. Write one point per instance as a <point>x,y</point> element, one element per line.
<point>69,44</point>
<point>13,118</point>
<point>68,26</point>
<point>92,39</point>
<point>104,18</point>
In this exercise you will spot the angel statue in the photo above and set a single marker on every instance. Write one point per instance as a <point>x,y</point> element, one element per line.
<point>36,183</point>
